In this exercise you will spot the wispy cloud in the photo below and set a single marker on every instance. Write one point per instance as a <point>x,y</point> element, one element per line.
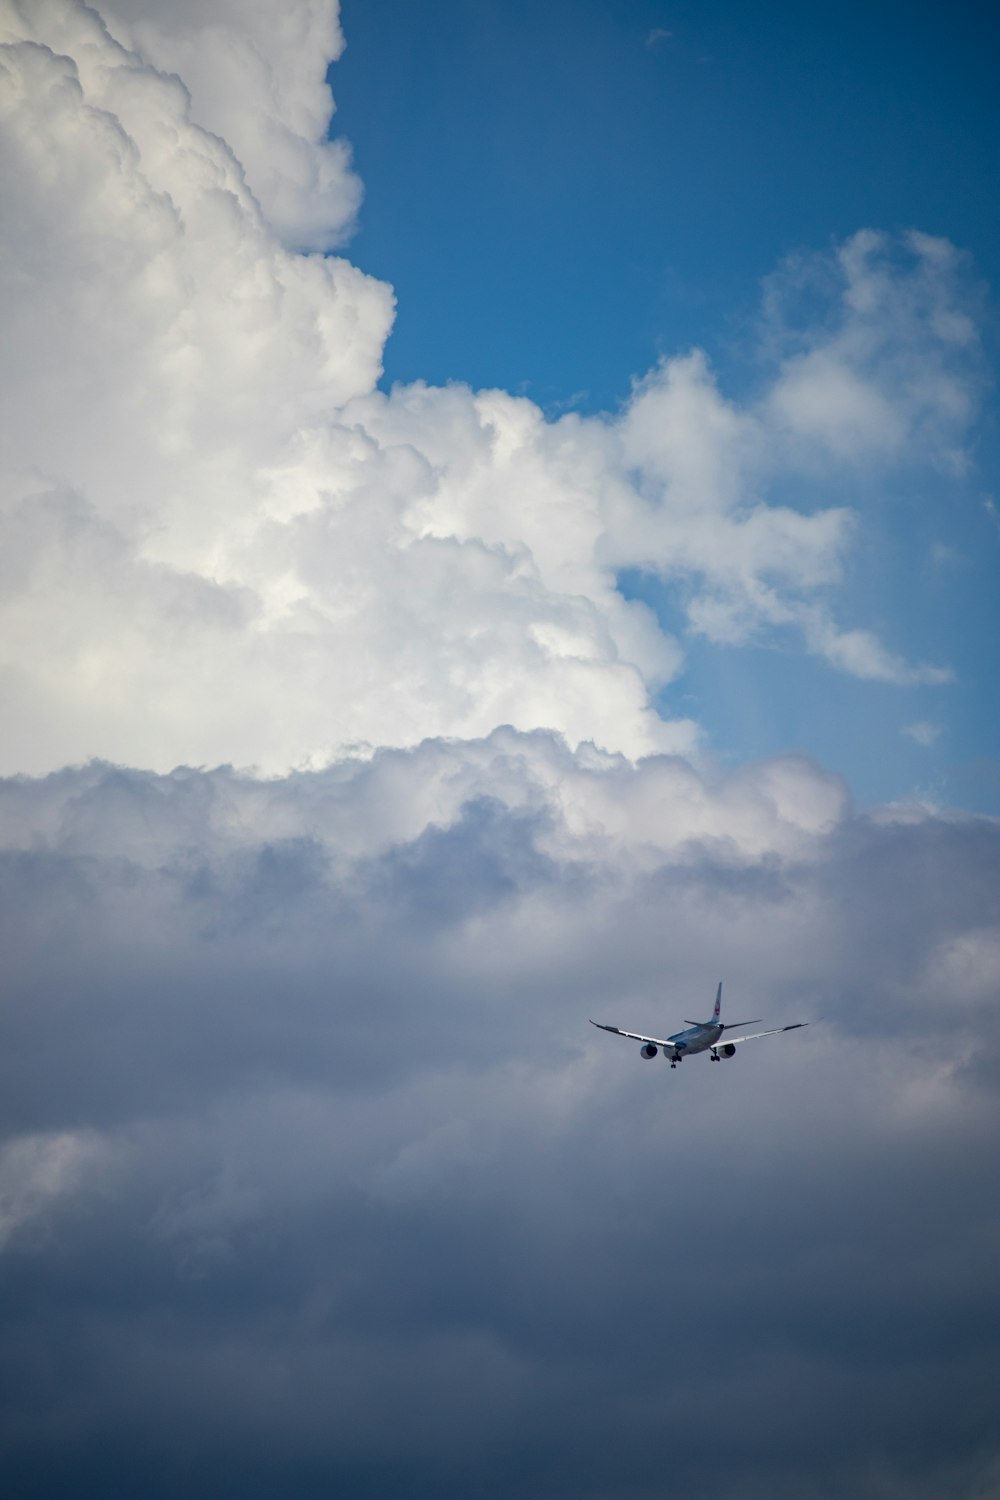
<point>923,732</point>
<point>896,373</point>
<point>945,556</point>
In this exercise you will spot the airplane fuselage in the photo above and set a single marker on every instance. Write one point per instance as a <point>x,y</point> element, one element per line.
<point>697,1036</point>
<point>695,1039</point>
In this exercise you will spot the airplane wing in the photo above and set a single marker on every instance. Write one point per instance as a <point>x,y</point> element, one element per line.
<point>729,1041</point>
<point>634,1036</point>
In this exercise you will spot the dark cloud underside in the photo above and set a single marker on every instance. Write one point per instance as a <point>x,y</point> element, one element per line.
<point>318,1182</point>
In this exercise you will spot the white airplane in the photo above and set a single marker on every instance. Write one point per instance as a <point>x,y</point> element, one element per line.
<point>701,1036</point>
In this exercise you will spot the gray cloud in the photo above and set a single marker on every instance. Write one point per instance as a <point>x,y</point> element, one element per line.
<point>316,1179</point>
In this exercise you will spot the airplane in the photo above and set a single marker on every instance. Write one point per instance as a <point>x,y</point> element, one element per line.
<point>701,1036</point>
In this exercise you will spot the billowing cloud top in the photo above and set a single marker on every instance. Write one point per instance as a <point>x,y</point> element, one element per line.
<point>223,544</point>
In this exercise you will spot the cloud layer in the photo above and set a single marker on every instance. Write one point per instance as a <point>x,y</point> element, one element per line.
<point>316,1176</point>
<point>224,544</point>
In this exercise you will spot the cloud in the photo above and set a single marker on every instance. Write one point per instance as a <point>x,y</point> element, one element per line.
<point>923,732</point>
<point>892,373</point>
<point>861,654</point>
<point>321,1177</point>
<point>231,546</point>
<point>257,78</point>
<point>38,1170</point>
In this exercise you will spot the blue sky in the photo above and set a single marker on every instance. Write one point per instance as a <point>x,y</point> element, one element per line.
<point>579,194</point>
<point>561,195</point>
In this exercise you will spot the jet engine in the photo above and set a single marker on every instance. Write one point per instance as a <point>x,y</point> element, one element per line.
<point>647,1050</point>
<point>726,1050</point>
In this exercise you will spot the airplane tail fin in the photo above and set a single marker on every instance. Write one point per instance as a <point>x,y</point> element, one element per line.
<point>715,1021</point>
<point>715,1014</point>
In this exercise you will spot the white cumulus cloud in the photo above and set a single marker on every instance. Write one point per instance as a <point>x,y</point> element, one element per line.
<point>224,543</point>
<point>257,77</point>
